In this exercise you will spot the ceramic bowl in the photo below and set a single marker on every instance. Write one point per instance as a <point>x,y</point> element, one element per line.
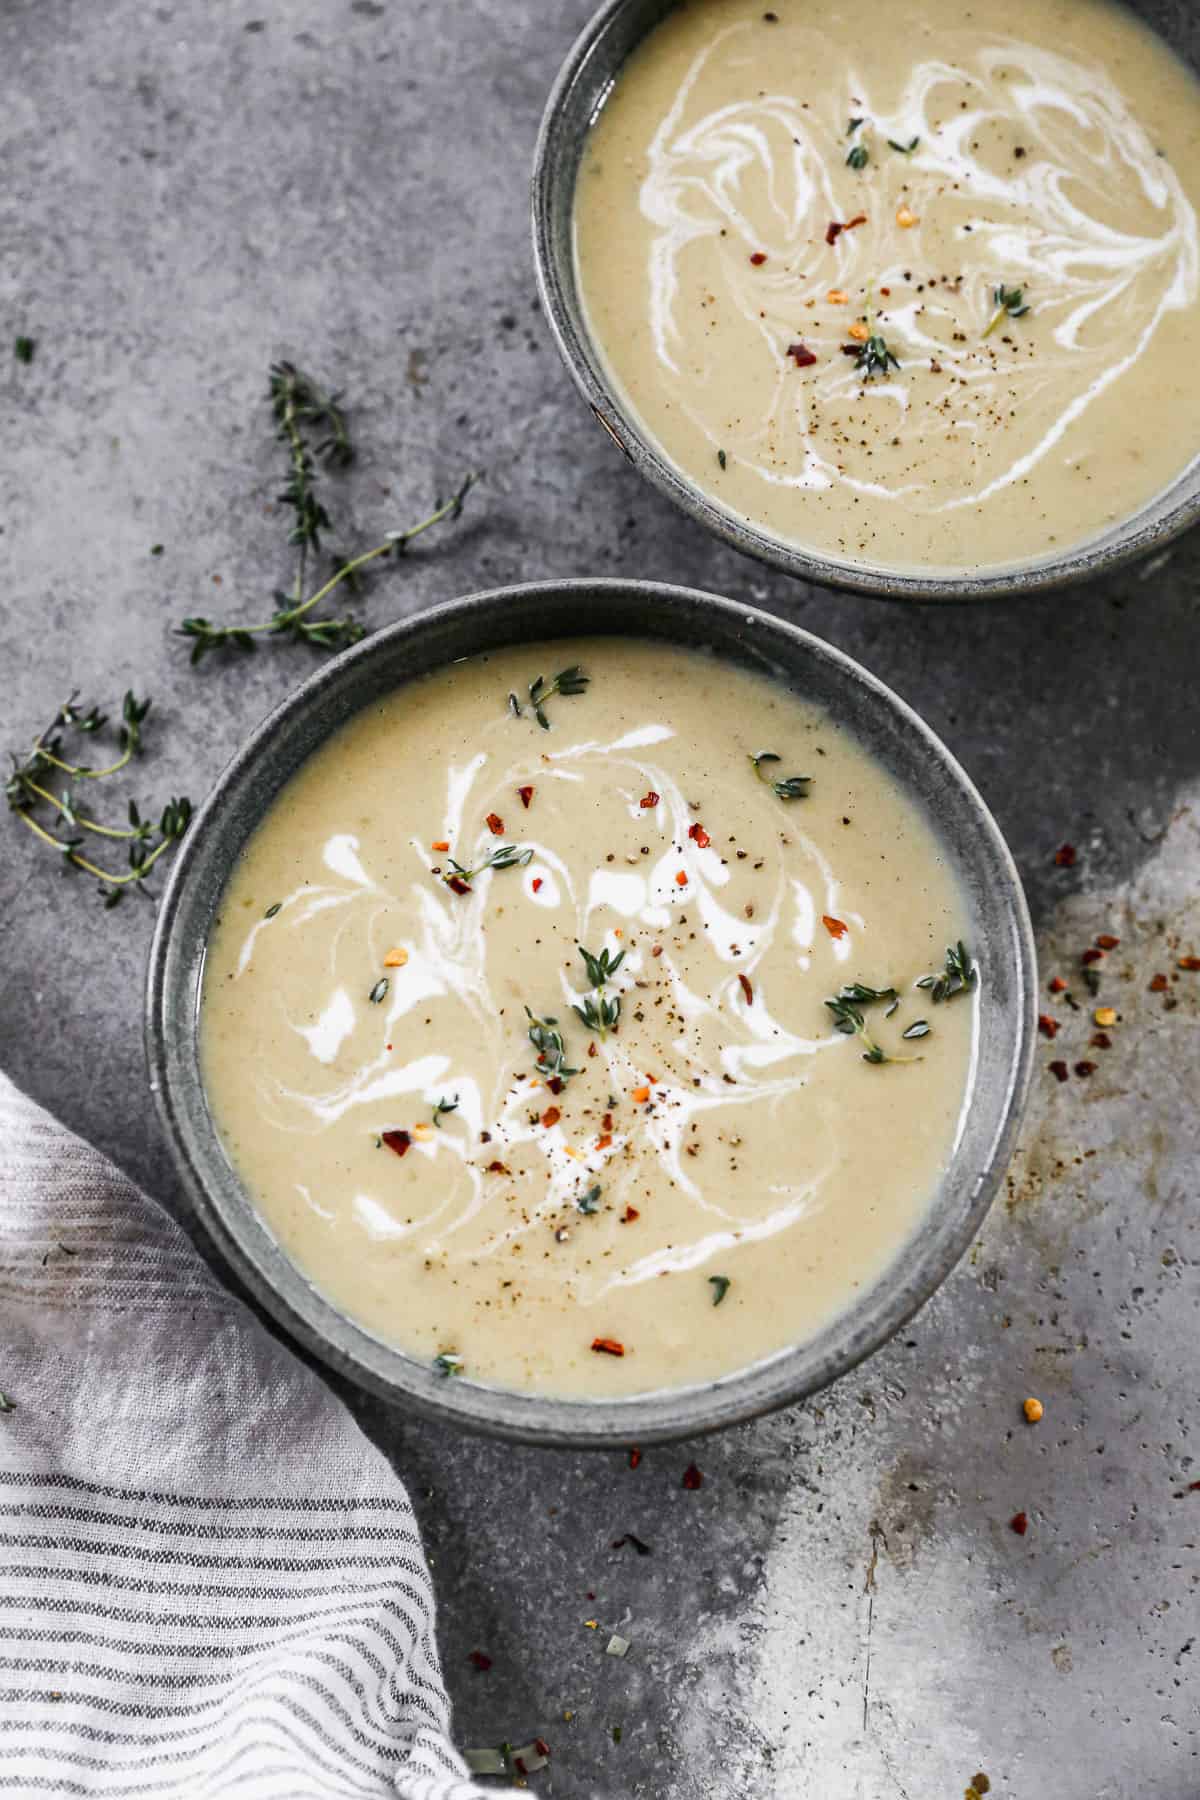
<point>583,84</point>
<point>997,930</point>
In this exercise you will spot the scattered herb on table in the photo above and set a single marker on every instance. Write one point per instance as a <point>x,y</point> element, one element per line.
<point>547,1040</point>
<point>7,1403</point>
<point>508,856</point>
<point>600,1012</point>
<point>635,1543</point>
<point>792,787</point>
<point>312,425</point>
<point>442,1108</point>
<point>720,1285</point>
<point>567,681</point>
<point>24,349</point>
<point>1010,303</point>
<point>957,977</point>
<point>28,789</point>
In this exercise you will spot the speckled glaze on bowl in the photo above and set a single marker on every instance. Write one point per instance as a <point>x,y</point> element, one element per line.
<point>584,83</point>
<point>997,929</point>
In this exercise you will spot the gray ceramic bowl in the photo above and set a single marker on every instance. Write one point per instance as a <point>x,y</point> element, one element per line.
<point>997,930</point>
<point>579,93</point>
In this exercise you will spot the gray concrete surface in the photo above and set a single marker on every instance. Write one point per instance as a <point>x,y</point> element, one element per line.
<point>841,1612</point>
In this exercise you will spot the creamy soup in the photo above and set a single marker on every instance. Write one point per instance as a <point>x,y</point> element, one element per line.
<point>589,1175</point>
<point>913,286</point>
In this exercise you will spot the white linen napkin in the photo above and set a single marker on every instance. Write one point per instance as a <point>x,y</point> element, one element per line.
<point>212,1583</point>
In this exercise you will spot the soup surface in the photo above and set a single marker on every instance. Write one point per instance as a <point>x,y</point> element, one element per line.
<point>914,287</point>
<point>700,1171</point>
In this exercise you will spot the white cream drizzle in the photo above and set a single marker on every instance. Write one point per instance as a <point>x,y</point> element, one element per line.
<point>1105,291</point>
<point>446,957</point>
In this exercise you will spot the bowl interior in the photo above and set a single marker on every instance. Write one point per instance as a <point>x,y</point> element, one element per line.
<point>998,932</point>
<point>584,83</point>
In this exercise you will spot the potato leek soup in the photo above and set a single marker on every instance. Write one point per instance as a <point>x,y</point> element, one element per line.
<point>575,1041</point>
<point>914,286</point>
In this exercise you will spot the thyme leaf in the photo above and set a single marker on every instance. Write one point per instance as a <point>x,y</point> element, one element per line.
<point>791,787</point>
<point>847,1009</point>
<point>957,977</point>
<point>599,1012</point>
<point>448,1363</point>
<point>442,1108</point>
<point>590,1202</point>
<point>567,681</point>
<point>1009,303</point>
<point>720,1285</point>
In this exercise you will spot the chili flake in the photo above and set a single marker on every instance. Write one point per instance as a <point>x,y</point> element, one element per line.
<point>497,1168</point>
<point>604,1141</point>
<point>536,883</point>
<point>758,258</point>
<point>1019,1523</point>
<point>1047,1026</point>
<point>640,1095</point>
<point>440,844</point>
<point>629,1215</point>
<point>1058,985</point>
<point>551,1116</point>
<point>397,1141</point>
<point>457,885</point>
<point>837,928</point>
<point>635,1457</point>
<point>1191,963</point>
<point>747,989</point>
<point>699,836</point>
<point>555,1084</point>
<point>1059,1070</point>
<point>608,1347</point>
<point>838,297</point>
<point>1033,1410</point>
<point>396,959</point>
<point>681,878</point>
<point>480,1659</point>
<point>1091,956</point>
<point>1085,1069</point>
<point>649,801</point>
<point>1107,941</point>
<point>1100,1040</point>
<point>1064,856</point>
<point>526,794</point>
<point>1158,984</point>
<point>859,331</point>
<point>801,355</point>
<point>495,824</point>
<point>692,1478</point>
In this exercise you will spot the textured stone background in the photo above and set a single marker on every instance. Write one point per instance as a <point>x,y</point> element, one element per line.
<point>841,1612</point>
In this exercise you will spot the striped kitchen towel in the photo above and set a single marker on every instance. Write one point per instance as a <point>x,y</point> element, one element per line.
<point>212,1583</point>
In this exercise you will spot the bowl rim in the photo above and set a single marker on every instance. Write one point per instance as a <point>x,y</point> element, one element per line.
<point>223,1208</point>
<point>1163,518</point>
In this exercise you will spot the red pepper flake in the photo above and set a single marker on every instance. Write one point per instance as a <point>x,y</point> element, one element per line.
<point>1091,956</point>
<point>1085,1069</point>
<point>635,1457</point>
<point>1106,941</point>
<point>440,844</point>
<point>833,231</point>
<point>858,219</point>
<point>604,1140</point>
<point>1047,1026</point>
<point>1100,1040</point>
<point>495,824</point>
<point>526,794</point>
<point>1058,985</point>
<point>758,258</point>
<point>640,1095</point>
<point>681,878</point>
<point>607,1122</point>
<point>497,1168</point>
<point>541,1746</point>
<point>656,950</point>
<point>629,1215</point>
<point>747,989</point>
<point>801,355</point>
<point>1064,856</point>
<point>607,1347</point>
<point>1059,1070</point>
<point>1019,1523</point>
<point>699,836</point>
<point>458,886</point>
<point>397,1141</point>
<point>536,883</point>
<point>551,1116</point>
<point>649,801</point>
<point>836,928</point>
<point>555,1084</point>
<point>1159,984</point>
<point>1191,963</point>
<point>480,1659</point>
<point>692,1478</point>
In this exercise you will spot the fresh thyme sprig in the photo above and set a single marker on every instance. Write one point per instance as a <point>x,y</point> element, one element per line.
<point>508,856</point>
<point>846,1006</point>
<point>442,1108</point>
<point>27,789</point>
<point>600,1012</point>
<point>313,426</point>
<point>547,1040</point>
<point>957,977</point>
<point>792,787</point>
<point>567,681</point>
<point>1010,303</point>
